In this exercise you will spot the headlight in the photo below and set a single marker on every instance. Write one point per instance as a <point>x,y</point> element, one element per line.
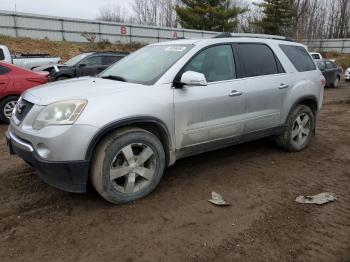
<point>60,113</point>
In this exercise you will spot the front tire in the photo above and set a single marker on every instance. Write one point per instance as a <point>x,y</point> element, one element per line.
<point>299,129</point>
<point>127,165</point>
<point>6,108</point>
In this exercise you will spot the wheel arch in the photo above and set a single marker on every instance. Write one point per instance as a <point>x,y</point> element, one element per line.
<point>150,124</point>
<point>9,95</point>
<point>310,101</point>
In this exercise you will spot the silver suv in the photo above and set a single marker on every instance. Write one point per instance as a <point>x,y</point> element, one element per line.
<point>119,130</point>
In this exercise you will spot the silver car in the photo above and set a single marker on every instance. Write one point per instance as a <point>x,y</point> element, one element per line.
<point>164,102</point>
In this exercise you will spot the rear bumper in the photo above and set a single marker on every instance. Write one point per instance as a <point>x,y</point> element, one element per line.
<point>67,176</point>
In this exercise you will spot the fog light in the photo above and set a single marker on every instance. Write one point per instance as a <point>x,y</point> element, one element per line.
<point>43,150</point>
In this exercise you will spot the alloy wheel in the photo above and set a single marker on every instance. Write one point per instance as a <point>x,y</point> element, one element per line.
<point>301,129</point>
<point>133,168</point>
<point>8,108</point>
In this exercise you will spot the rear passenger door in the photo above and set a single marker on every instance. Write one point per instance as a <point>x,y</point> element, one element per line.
<point>266,86</point>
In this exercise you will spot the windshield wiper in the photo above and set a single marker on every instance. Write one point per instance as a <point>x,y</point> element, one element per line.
<point>116,78</point>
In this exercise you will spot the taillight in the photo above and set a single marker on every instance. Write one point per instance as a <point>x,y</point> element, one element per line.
<point>323,80</point>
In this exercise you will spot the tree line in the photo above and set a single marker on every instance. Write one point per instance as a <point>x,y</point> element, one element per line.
<point>298,19</point>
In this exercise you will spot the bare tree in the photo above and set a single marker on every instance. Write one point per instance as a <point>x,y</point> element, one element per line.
<point>113,13</point>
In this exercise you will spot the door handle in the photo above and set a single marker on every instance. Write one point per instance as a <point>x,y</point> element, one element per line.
<point>235,93</point>
<point>283,86</point>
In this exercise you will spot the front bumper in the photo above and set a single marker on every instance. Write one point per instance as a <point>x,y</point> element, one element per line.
<point>347,77</point>
<point>68,176</point>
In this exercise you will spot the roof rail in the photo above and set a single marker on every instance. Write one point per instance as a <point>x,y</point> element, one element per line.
<point>275,37</point>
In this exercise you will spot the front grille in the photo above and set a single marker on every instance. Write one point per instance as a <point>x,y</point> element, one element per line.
<point>22,109</point>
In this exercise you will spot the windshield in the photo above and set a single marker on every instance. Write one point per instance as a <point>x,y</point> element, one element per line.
<point>147,65</point>
<point>73,61</point>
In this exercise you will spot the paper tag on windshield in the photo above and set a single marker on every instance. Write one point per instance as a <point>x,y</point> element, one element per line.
<point>175,48</point>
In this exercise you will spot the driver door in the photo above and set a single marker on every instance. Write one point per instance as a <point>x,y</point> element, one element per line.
<point>214,112</point>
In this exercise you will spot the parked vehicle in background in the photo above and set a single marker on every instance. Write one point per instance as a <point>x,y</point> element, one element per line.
<point>164,102</point>
<point>331,71</point>
<point>13,81</point>
<point>316,56</point>
<point>86,64</point>
<point>29,61</point>
<point>347,74</point>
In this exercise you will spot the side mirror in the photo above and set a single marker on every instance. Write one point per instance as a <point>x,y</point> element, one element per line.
<point>191,78</point>
<point>82,65</point>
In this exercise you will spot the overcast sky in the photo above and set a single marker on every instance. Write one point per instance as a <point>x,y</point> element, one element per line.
<point>70,8</point>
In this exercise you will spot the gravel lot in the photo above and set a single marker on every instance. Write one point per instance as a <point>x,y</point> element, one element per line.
<point>176,223</point>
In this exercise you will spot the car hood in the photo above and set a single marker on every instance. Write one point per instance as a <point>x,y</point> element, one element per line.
<point>77,88</point>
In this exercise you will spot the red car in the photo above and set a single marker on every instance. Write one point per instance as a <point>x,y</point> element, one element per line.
<point>13,81</point>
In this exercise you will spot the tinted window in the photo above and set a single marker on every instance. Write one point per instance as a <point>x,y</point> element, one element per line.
<point>4,70</point>
<point>2,56</point>
<point>329,65</point>
<point>299,57</point>
<point>91,61</point>
<point>109,60</point>
<point>258,60</point>
<point>216,63</point>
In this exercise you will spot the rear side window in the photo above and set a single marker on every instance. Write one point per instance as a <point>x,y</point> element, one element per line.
<point>316,56</point>
<point>2,55</point>
<point>299,57</point>
<point>109,60</point>
<point>216,63</point>
<point>4,70</point>
<point>258,60</point>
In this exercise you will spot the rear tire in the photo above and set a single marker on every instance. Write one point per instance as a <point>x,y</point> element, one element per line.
<point>299,129</point>
<point>6,107</point>
<point>127,165</point>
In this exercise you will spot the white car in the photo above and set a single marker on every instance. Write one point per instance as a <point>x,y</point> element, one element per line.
<point>347,74</point>
<point>28,61</point>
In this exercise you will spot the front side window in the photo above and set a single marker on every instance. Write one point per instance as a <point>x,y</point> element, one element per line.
<point>216,63</point>
<point>92,61</point>
<point>76,59</point>
<point>2,55</point>
<point>299,57</point>
<point>321,65</point>
<point>4,70</point>
<point>147,65</point>
<point>258,60</point>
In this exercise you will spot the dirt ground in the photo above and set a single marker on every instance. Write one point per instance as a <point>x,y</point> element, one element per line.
<point>176,223</point>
